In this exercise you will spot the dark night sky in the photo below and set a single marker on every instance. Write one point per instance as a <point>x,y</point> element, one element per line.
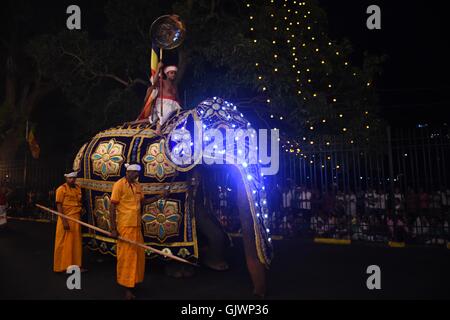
<point>415,81</point>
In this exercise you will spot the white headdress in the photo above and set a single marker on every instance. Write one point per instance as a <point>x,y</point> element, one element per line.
<point>133,167</point>
<point>170,68</point>
<point>73,174</point>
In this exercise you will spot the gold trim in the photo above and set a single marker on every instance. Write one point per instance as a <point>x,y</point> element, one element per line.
<point>109,240</point>
<point>394,244</point>
<point>130,148</point>
<point>148,133</point>
<point>138,156</point>
<point>147,188</point>
<point>255,222</point>
<point>332,241</point>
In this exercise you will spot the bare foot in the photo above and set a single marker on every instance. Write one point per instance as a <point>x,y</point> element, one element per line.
<point>129,295</point>
<point>259,295</point>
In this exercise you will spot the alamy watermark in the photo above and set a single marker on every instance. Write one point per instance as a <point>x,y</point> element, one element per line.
<point>374,280</point>
<point>73,22</point>
<point>74,280</point>
<point>243,147</point>
<point>374,20</point>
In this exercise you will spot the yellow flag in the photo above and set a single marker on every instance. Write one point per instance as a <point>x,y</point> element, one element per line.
<point>34,146</point>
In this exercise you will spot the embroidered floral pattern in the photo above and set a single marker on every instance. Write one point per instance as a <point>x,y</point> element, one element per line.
<point>156,163</point>
<point>108,158</point>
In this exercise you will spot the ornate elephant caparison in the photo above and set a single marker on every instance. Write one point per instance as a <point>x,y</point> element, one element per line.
<point>172,224</point>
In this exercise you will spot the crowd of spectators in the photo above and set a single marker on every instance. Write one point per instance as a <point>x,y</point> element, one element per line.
<point>297,211</point>
<point>372,215</point>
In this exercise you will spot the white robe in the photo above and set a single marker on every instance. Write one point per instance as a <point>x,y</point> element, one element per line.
<point>169,107</point>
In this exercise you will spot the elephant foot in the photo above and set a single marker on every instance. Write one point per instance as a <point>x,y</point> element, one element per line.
<point>217,266</point>
<point>179,271</point>
<point>173,270</point>
<point>259,294</point>
<point>188,271</point>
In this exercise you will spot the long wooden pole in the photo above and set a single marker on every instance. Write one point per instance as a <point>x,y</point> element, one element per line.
<point>167,255</point>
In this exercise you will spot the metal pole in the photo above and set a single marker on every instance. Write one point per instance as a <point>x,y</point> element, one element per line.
<point>26,156</point>
<point>391,168</point>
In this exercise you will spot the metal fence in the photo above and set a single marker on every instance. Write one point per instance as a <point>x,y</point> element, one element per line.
<point>38,175</point>
<point>416,158</point>
<point>395,186</point>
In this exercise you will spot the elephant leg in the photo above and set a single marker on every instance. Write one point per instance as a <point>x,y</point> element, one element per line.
<point>214,256</point>
<point>256,269</point>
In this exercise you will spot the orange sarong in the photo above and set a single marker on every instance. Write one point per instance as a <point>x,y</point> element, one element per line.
<point>130,258</point>
<point>68,247</point>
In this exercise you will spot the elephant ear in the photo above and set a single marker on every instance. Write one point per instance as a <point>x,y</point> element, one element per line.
<point>183,145</point>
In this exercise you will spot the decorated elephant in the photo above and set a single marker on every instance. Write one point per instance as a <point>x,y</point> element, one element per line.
<point>174,161</point>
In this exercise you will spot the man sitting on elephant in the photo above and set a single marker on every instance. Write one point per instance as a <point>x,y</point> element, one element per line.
<point>166,103</point>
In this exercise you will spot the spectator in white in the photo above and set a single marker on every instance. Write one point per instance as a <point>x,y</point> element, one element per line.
<point>366,201</point>
<point>287,198</point>
<point>350,204</point>
<point>376,201</point>
<point>222,203</point>
<point>287,205</point>
<point>317,225</point>
<point>3,205</point>
<point>370,201</point>
<point>305,201</point>
<point>444,200</point>
<point>398,200</point>
<point>340,196</point>
<point>435,202</point>
<point>383,199</point>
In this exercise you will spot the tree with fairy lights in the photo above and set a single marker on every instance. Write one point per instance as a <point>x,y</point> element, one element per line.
<point>273,57</point>
<point>306,77</point>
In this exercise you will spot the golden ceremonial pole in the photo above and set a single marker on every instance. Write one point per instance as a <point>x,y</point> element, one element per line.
<point>161,82</point>
<point>167,255</point>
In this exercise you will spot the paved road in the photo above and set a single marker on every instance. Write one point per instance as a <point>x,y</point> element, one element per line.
<point>301,270</point>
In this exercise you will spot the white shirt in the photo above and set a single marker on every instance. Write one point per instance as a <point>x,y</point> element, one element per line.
<point>287,199</point>
<point>305,200</point>
<point>383,199</point>
<point>351,204</point>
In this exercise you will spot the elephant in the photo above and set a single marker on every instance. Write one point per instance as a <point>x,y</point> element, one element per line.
<point>172,224</point>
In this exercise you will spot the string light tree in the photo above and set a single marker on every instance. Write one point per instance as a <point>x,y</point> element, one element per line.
<point>307,78</point>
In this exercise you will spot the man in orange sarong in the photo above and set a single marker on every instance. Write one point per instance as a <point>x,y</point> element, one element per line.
<point>125,217</point>
<point>68,247</point>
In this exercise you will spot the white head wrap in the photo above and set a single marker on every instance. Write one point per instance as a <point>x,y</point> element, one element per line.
<point>170,68</point>
<point>71,175</point>
<point>133,167</point>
